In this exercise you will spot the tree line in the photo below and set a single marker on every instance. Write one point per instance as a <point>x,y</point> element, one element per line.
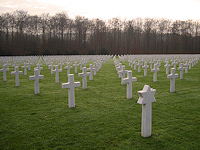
<point>25,34</point>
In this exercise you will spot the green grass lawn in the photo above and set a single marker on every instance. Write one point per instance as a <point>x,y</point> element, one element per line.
<point>103,118</point>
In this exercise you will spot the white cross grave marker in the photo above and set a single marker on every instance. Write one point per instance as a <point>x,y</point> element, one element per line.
<point>146,97</point>
<point>4,72</point>
<point>181,68</point>
<point>68,67</point>
<point>172,77</point>
<point>36,77</point>
<point>155,70</point>
<point>95,68</point>
<point>75,65</point>
<point>71,85</point>
<point>25,69</point>
<point>186,66</point>
<point>139,66</point>
<point>151,63</point>
<point>51,67</point>
<point>56,71</point>
<point>129,81</point>
<point>122,74</point>
<point>84,74</point>
<point>135,65</point>
<point>16,73</point>
<point>145,68</point>
<point>29,65</point>
<point>39,68</point>
<point>167,65</point>
<point>91,72</point>
<point>61,64</point>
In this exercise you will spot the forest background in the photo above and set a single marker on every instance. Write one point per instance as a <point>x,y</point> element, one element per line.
<point>25,34</point>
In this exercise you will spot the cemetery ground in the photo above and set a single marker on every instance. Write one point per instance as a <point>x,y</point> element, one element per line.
<point>103,118</point>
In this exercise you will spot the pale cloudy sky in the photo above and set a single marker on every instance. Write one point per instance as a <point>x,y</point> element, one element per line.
<point>107,9</point>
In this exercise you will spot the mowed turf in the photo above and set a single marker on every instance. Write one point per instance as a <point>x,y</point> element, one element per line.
<point>103,118</point>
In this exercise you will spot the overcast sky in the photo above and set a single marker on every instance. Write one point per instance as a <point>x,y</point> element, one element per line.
<point>107,9</point>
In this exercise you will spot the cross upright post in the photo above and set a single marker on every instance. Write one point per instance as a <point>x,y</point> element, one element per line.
<point>71,85</point>
<point>129,81</point>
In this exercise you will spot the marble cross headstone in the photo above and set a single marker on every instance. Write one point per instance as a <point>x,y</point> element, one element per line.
<point>172,77</point>
<point>36,77</point>
<point>146,97</point>
<point>61,64</point>
<point>16,73</point>
<point>29,65</point>
<point>181,68</point>
<point>145,68</point>
<point>135,65</point>
<point>56,71</point>
<point>91,72</point>
<point>122,74</point>
<point>84,75</point>
<point>71,85</point>
<point>25,69</point>
<point>95,68</point>
<point>51,67</point>
<point>4,72</point>
<point>75,66</point>
<point>167,65</point>
<point>155,70</point>
<point>186,66</point>
<point>39,68</point>
<point>68,67</point>
<point>129,81</point>
<point>151,63</point>
<point>139,66</point>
